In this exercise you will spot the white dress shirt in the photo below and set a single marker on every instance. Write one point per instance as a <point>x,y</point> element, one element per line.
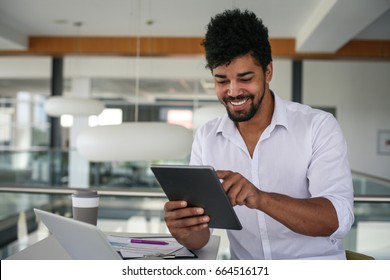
<point>302,154</point>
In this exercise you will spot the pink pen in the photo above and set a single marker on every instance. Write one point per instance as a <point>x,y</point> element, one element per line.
<point>147,241</point>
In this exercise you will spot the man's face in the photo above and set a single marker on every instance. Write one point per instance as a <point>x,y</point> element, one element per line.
<point>240,87</point>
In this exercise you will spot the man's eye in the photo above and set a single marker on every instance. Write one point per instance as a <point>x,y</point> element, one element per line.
<point>222,82</point>
<point>246,80</point>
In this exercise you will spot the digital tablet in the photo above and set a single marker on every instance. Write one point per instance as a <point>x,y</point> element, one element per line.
<point>200,187</point>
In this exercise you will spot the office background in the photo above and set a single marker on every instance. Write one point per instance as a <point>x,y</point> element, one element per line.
<point>352,82</point>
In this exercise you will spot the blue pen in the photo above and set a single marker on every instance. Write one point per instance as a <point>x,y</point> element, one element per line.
<point>147,241</point>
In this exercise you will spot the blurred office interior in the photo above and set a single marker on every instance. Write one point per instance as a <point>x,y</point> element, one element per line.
<point>144,62</point>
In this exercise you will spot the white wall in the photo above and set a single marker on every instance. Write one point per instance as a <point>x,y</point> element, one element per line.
<point>144,67</point>
<point>360,90</point>
<point>282,78</point>
<point>25,67</point>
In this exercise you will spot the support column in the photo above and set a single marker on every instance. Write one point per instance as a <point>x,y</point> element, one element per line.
<point>79,168</point>
<point>23,133</point>
<point>55,140</point>
<point>56,90</point>
<point>297,80</point>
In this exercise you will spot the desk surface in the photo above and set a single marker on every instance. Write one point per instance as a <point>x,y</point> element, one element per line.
<point>50,249</point>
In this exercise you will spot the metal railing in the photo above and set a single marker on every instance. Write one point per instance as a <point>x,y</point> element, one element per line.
<point>134,192</point>
<point>143,192</point>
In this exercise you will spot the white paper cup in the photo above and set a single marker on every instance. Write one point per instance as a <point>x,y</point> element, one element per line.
<point>85,205</point>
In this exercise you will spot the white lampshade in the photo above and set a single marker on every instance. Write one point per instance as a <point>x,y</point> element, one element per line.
<point>135,141</point>
<point>204,114</point>
<point>57,106</point>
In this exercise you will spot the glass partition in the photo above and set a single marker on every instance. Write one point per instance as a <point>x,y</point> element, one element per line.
<point>50,167</point>
<point>371,229</point>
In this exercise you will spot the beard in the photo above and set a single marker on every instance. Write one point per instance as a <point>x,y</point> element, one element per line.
<point>243,116</point>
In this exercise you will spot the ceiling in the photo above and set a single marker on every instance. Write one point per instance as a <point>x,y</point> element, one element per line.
<point>316,25</point>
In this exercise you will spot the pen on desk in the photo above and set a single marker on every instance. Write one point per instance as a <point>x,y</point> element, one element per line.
<point>147,241</point>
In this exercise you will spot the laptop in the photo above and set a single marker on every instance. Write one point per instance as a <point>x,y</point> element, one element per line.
<point>80,240</point>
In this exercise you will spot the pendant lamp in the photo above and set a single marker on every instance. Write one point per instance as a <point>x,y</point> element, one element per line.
<point>135,141</point>
<point>207,113</point>
<point>57,106</point>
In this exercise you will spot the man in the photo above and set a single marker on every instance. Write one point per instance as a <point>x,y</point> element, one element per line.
<point>284,165</point>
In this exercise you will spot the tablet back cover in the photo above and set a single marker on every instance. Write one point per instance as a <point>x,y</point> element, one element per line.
<point>199,186</point>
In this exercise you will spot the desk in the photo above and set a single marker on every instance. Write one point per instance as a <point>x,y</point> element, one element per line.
<point>50,249</point>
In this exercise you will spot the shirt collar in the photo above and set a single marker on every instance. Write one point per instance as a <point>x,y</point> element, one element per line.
<point>226,125</point>
<point>280,112</point>
<point>279,117</point>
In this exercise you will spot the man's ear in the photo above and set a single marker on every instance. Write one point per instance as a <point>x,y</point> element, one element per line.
<point>268,73</point>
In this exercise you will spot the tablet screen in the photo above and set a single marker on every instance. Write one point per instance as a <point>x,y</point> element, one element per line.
<point>200,187</point>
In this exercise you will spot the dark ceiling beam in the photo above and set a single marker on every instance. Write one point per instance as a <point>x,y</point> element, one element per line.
<point>185,46</point>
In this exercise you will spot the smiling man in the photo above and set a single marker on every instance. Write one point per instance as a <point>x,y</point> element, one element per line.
<point>284,165</point>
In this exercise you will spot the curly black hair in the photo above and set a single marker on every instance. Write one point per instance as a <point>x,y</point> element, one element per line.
<point>235,33</point>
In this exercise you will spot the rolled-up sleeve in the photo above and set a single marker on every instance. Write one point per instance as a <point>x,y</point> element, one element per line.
<point>330,175</point>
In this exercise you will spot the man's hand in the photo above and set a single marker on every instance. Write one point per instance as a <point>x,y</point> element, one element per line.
<point>188,225</point>
<point>239,190</point>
